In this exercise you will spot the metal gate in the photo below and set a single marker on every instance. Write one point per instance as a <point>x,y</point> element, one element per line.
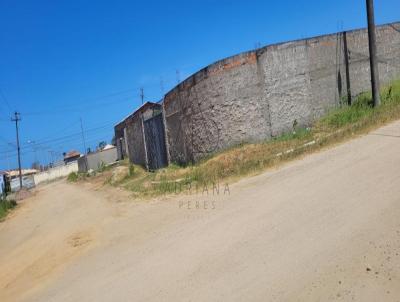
<point>155,142</point>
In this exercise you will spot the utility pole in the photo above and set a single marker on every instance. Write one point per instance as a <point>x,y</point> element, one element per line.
<point>51,153</point>
<point>372,53</point>
<point>34,147</point>
<point>142,94</point>
<point>178,77</point>
<point>83,138</point>
<point>84,145</point>
<point>162,85</point>
<point>50,159</point>
<point>16,119</point>
<point>347,66</point>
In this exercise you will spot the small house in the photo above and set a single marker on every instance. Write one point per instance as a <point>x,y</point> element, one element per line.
<point>71,156</point>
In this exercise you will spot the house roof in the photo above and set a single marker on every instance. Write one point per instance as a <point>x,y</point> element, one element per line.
<point>108,146</point>
<point>142,107</point>
<point>14,173</point>
<point>72,154</point>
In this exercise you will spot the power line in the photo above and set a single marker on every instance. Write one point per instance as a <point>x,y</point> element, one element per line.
<point>28,149</point>
<point>56,135</point>
<point>83,137</point>
<point>5,140</point>
<point>68,136</point>
<point>66,139</point>
<point>59,131</point>
<point>73,109</point>
<point>3,97</point>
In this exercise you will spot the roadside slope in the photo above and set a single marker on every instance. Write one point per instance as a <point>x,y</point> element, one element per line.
<point>323,228</point>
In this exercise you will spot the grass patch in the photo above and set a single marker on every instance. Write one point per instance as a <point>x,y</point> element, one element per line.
<point>350,114</point>
<point>73,177</point>
<point>77,176</point>
<point>249,159</point>
<point>6,206</point>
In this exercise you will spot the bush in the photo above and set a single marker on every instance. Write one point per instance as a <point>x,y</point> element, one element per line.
<point>72,177</point>
<point>131,170</point>
<point>6,206</point>
<point>101,167</point>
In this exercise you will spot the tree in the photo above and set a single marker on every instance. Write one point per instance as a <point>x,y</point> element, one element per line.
<point>102,145</point>
<point>36,165</point>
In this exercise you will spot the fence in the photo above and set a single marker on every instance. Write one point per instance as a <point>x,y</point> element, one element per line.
<point>56,172</point>
<point>94,161</point>
<point>27,183</point>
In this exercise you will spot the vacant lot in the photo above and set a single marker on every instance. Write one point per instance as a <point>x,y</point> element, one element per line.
<point>324,228</point>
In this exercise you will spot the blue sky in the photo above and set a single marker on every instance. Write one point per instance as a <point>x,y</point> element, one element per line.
<point>65,60</point>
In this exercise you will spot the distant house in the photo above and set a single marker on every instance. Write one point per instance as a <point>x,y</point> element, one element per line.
<point>108,147</point>
<point>71,156</point>
<point>11,174</point>
<point>2,183</point>
<point>12,178</point>
<point>96,160</point>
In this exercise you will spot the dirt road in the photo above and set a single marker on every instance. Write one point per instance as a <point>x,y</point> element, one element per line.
<point>324,228</point>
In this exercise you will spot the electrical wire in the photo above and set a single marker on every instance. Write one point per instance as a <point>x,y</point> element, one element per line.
<point>95,137</point>
<point>85,108</point>
<point>64,139</point>
<point>3,97</point>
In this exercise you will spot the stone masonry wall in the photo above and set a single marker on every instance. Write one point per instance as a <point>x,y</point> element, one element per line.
<point>263,93</point>
<point>220,106</point>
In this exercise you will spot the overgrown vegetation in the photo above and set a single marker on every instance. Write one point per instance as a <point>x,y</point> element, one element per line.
<point>249,159</point>
<point>362,111</point>
<point>103,167</point>
<point>72,177</point>
<point>6,206</point>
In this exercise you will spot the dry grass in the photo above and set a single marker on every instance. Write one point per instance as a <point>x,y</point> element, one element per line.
<point>249,159</point>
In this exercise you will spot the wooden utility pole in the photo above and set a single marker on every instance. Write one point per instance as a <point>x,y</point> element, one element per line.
<point>16,119</point>
<point>142,94</point>
<point>372,53</point>
<point>162,85</point>
<point>84,145</point>
<point>347,65</point>
<point>83,138</point>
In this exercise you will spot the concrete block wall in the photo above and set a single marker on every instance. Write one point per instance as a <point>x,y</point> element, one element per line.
<point>56,172</point>
<point>93,161</point>
<point>260,94</point>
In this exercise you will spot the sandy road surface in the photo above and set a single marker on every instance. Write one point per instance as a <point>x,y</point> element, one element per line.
<point>324,228</point>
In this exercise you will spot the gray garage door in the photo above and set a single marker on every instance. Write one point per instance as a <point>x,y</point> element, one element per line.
<point>155,142</point>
